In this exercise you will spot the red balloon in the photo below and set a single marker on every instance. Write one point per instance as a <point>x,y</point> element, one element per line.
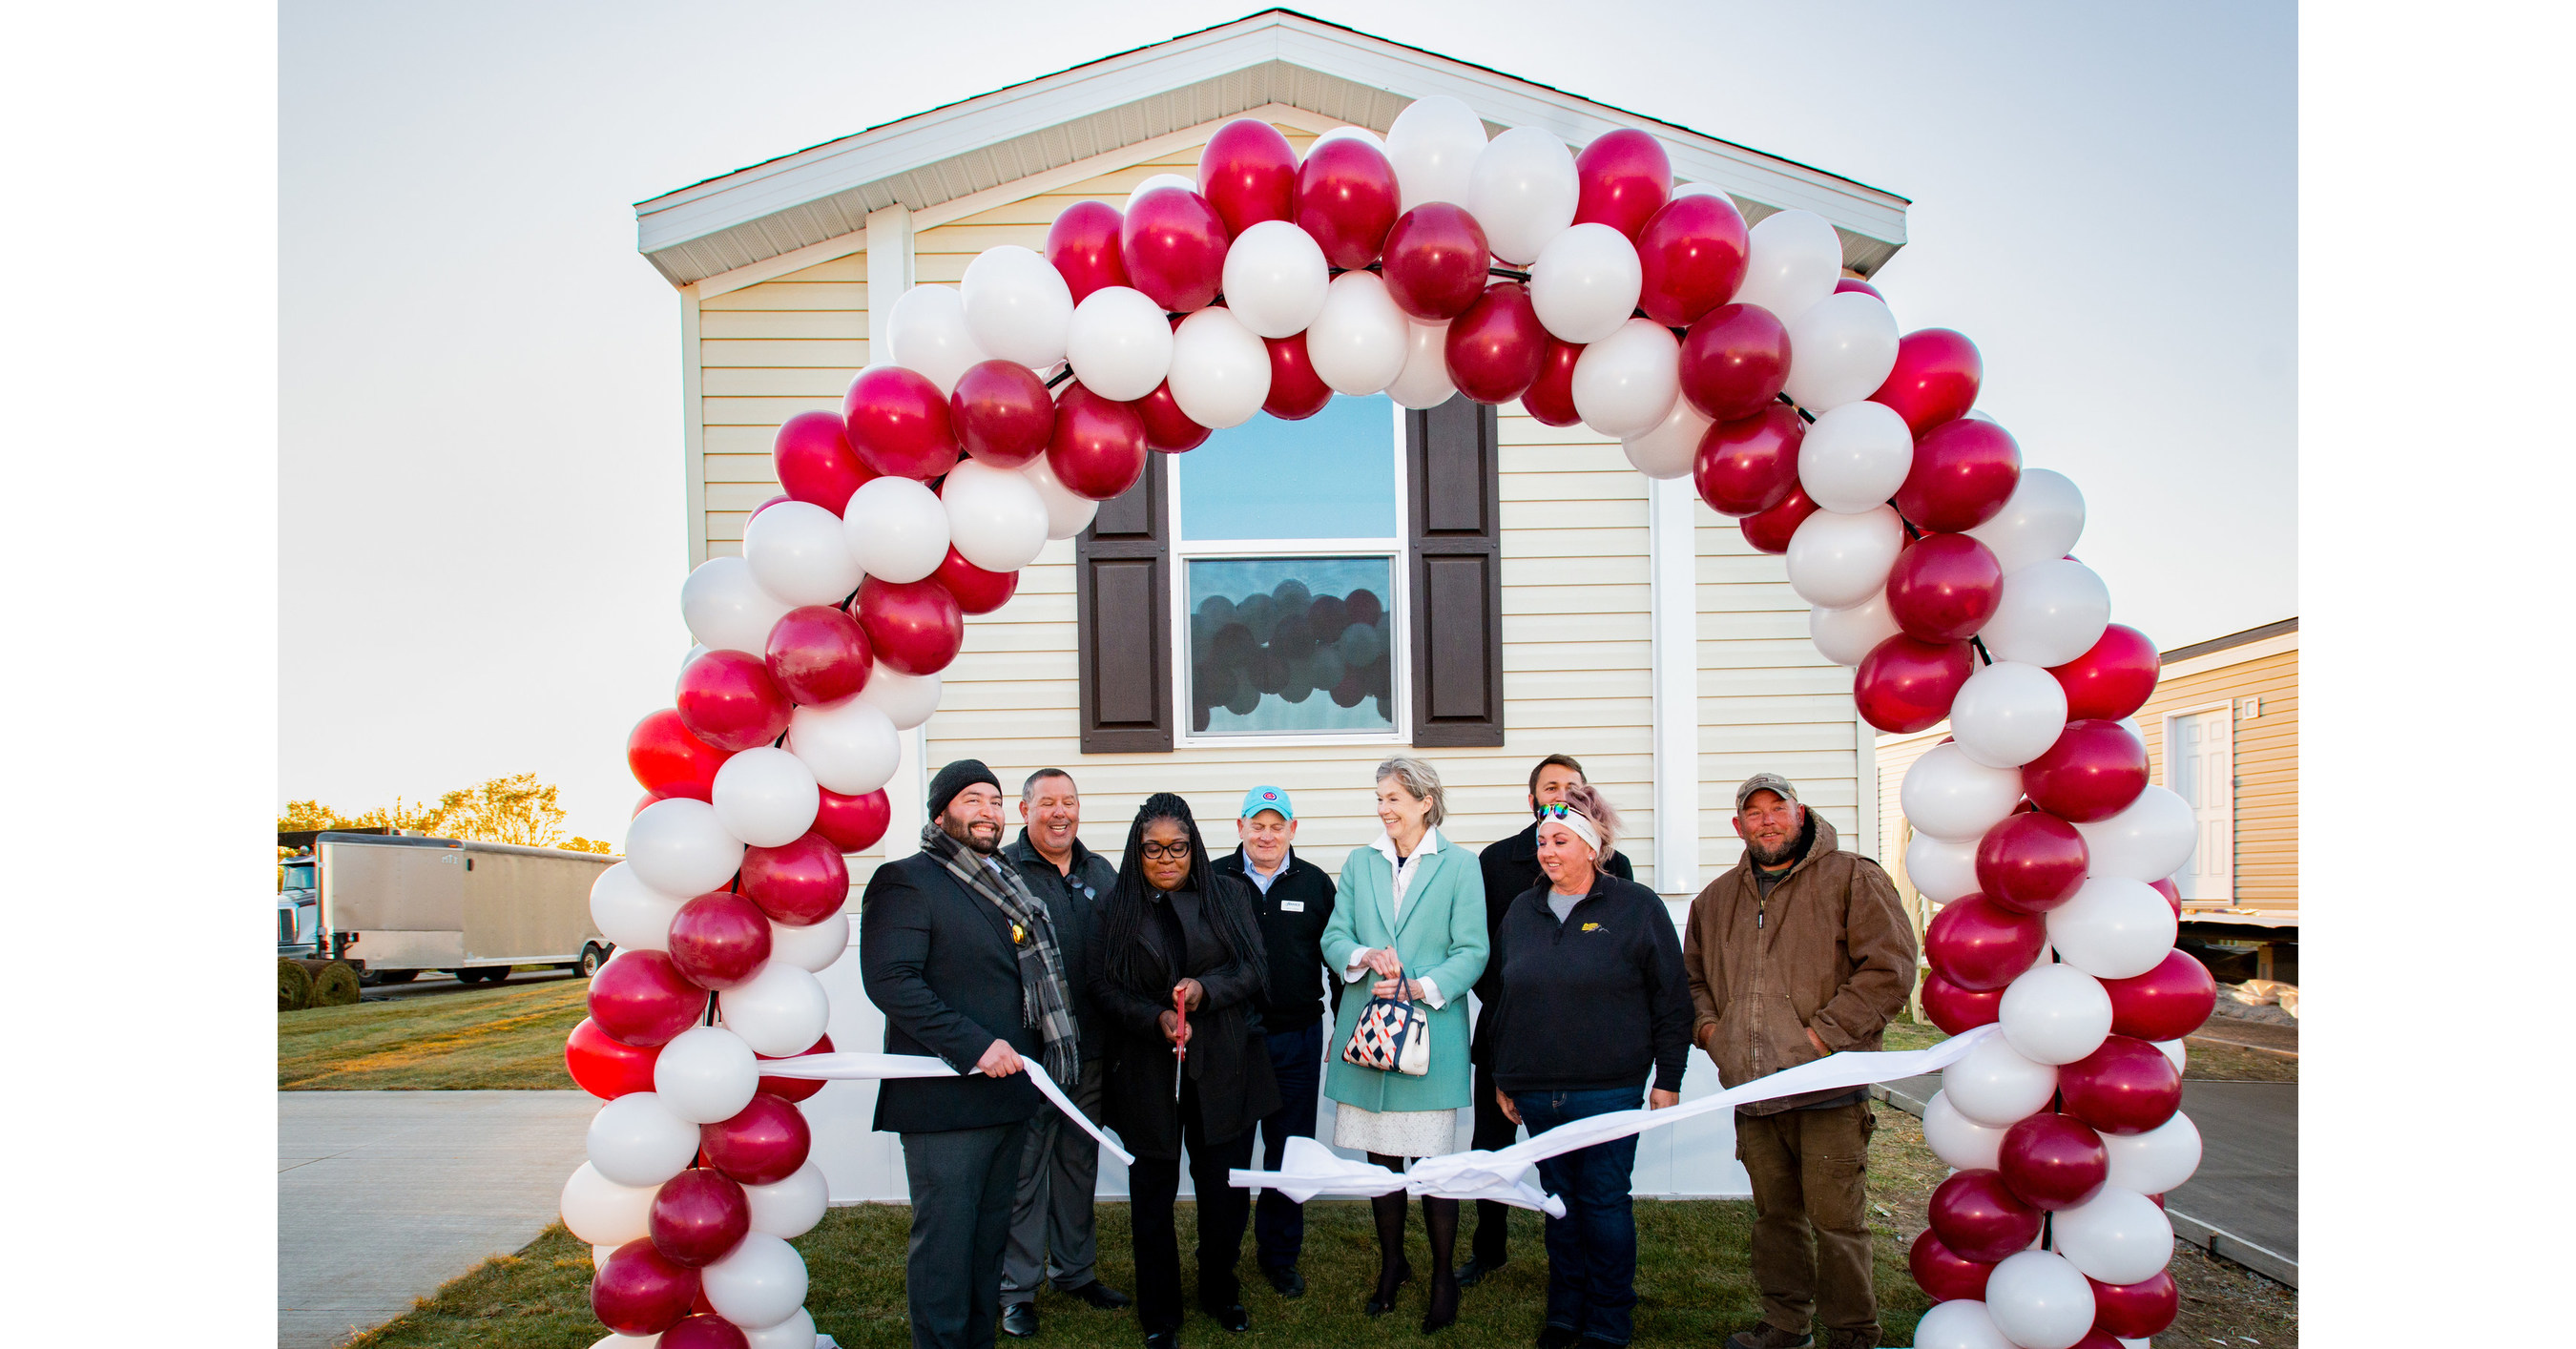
<point>2095,1339</point>
<point>2136,1310</point>
<point>1979,1217</point>
<point>1944,587</point>
<point>1905,685</point>
<point>705,1330</point>
<point>795,1088</point>
<point>898,423</point>
<point>728,700</point>
<point>1770,531</point>
<point>1435,261</point>
<point>1749,465</point>
<point>1625,177</point>
<point>1935,379</point>
<point>1099,446</point>
<point>1980,945</point>
<point>2031,862</point>
<point>2092,773</point>
<point>2053,1161</point>
<point>1083,245</point>
<point>756,510</point>
<point>1957,1010</point>
<point>2165,1003</point>
<point>1347,199</point>
<point>1495,349</point>
<point>641,999</point>
<point>818,655</point>
<point>803,882</point>
<point>1296,391</point>
<point>2127,1086</point>
<point>1735,361</point>
<point>913,626</point>
<point>1853,283</point>
<point>1248,172</point>
<point>852,823</point>
<point>761,1146</point>
<point>1963,472</point>
<point>1174,245</point>
<point>605,1068</point>
<point>1941,1272</point>
<point>641,802</point>
<point>720,940</point>
<point>2171,892</point>
<point>641,1291</point>
<point>978,591</point>
<point>697,1216</point>
<point>1551,396</point>
<point>668,761</point>
<point>815,462</point>
<point>2113,679</point>
<point>1693,252</point>
<point>1167,428</point>
<point>1002,413</point>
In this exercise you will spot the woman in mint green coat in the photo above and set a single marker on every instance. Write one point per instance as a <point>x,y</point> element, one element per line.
<point>1409,917</point>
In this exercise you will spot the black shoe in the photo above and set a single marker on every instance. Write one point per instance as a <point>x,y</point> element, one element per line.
<point>1476,1269</point>
<point>1286,1279</point>
<point>1163,1339</point>
<point>1101,1295</point>
<point>1383,1300</point>
<point>1557,1337</point>
<point>1020,1320</point>
<point>1231,1316</point>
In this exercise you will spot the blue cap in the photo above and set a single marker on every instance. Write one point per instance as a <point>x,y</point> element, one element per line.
<point>1260,799</point>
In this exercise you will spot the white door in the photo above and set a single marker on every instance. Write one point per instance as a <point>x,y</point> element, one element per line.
<point>2200,766</point>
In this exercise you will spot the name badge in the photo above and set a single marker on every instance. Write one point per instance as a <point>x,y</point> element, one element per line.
<point>1292,906</point>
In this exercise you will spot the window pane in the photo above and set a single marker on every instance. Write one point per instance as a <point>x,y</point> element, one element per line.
<point>1331,476</point>
<point>1290,644</point>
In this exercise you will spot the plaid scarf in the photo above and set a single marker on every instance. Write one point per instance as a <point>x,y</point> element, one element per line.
<point>1045,998</point>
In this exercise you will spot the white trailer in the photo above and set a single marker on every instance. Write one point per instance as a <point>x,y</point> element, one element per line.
<point>395,906</point>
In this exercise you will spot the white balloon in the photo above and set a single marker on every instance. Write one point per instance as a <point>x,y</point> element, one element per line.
<point>1838,560</point>
<point>788,1209</point>
<point>1792,260</point>
<point>1952,797</point>
<point>1625,383</point>
<point>1841,349</point>
<point>1275,279</point>
<point>766,797</point>
<point>1220,370</point>
<point>813,947</point>
<point>907,700</point>
<point>996,519</point>
<point>2117,1236</point>
<point>1958,1140</point>
<point>2173,1049</point>
<point>2147,841</point>
<point>1585,283</point>
<point>1523,192</point>
<point>679,847</point>
<point>796,1332</point>
<point>1347,133</point>
<point>2051,612</point>
<point>1670,450</point>
<point>927,334</point>
<point>1994,1086</point>
<point>895,529</point>
<point>850,746</point>
<point>757,1284</point>
<point>1847,635</point>
<point>2039,1301</point>
<point>2008,714</point>
<point>602,1212</point>
<point>1855,456</point>
<point>636,1140</point>
<point>1159,180</point>
<point>2040,521</point>
<point>1017,306</point>
<point>1961,1323</point>
<point>706,1074</point>
<point>797,553</point>
<point>1359,339</point>
<point>1119,343</point>
<point>633,916</point>
<point>1068,513</point>
<point>1424,382</point>
<point>1941,870</point>
<point>2055,1014</point>
<point>2158,1160</point>
<point>780,1011</point>
<point>726,609</point>
<point>2114,928</point>
<point>1434,145</point>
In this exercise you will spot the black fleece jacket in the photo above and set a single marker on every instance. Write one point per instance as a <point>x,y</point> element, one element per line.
<point>1592,1002</point>
<point>1293,913</point>
<point>1510,866</point>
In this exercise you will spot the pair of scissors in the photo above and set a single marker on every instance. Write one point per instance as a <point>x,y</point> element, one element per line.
<point>1181,1046</point>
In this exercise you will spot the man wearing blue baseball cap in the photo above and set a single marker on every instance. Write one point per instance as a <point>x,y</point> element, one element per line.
<point>1296,899</point>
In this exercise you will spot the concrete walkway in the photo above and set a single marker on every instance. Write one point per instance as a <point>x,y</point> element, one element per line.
<point>384,1195</point>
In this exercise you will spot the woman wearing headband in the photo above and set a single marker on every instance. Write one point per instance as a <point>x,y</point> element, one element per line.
<point>1594,999</point>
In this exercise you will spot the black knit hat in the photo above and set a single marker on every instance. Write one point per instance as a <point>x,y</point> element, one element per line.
<point>956,778</point>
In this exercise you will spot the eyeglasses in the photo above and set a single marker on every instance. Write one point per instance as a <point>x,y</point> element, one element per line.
<point>1158,852</point>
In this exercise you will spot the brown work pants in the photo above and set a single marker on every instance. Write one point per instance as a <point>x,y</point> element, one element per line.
<point>1810,1217</point>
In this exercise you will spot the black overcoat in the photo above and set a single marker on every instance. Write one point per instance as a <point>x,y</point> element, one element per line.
<point>1229,1059</point>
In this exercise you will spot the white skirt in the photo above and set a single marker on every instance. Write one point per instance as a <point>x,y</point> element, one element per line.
<point>1395,1133</point>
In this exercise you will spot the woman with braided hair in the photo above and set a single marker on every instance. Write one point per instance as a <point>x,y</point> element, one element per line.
<point>1175,928</point>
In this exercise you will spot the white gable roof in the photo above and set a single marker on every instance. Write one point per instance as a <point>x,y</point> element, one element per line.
<point>1275,57</point>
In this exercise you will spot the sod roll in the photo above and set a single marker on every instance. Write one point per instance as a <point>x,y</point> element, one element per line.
<point>335,985</point>
<point>294,985</point>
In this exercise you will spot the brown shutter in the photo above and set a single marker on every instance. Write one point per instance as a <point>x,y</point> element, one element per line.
<point>1122,597</point>
<point>1455,484</point>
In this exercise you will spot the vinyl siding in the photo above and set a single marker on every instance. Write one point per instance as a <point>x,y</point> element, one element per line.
<point>2267,766</point>
<point>766,353</point>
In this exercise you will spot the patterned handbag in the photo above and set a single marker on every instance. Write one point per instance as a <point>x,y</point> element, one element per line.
<point>1393,1036</point>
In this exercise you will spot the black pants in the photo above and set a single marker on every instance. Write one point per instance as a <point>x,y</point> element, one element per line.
<point>1494,1130</point>
<point>961,1182</point>
<point>1152,1184</point>
<point>1297,1061</point>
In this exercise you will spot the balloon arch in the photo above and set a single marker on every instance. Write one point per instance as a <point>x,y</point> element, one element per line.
<point>1428,264</point>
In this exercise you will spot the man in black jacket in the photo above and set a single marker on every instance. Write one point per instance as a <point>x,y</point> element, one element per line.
<point>1296,900</point>
<point>1511,868</point>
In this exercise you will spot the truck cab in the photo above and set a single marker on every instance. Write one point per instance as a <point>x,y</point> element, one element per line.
<point>299,908</point>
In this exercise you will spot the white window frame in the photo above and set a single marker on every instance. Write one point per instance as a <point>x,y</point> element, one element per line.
<point>1397,550</point>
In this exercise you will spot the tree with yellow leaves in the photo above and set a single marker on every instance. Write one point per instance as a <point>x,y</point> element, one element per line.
<point>515,809</point>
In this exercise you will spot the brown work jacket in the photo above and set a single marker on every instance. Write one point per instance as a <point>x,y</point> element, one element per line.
<point>1830,950</point>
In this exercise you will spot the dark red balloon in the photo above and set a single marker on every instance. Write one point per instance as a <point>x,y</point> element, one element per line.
<point>2093,772</point>
<point>1167,428</point>
<point>605,1067</point>
<point>756,510</point>
<point>1693,252</point>
<point>720,940</point>
<point>2165,1003</point>
<point>1904,685</point>
<point>852,823</point>
<point>818,655</point>
<point>2171,892</point>
<point>1435,261</point>
<point>803,882</point>
<point>1083,245</point>
<point>1296,391</point>
<point>2136,1310</point>
<point>1099,446</point>
<point>898,424</point>
<point>1749,465</point>
<point>1174,246</point>
<point>642,999</point>
<point>2031,862</point>
<point>1853,283</point>
<point>1770,531</point>
<point>1495,349</point>
<point>1625,178</point>
<point>641,1291</point>
<point>913,626</point>
<point>1944,1274</point>
<point>1735,361</point>
<point>1957,1010</point>
<point>728,700</point>
<point>795,1088</point>
<point>1963,472</point>
<point>697,1216</point>
<point>1248,172</point>
<point>1980,945</point>
<point>2095,1339</point>
<point>1980,1218</point>
<point>705,1330</point>
<point>761,1146</point>
<point>1002,413</point>
<point>1551,396</point>
<point>1347,199</point>
<point>2113,679</point>
<point>2053,1161</point>
<point>978,591</point>
<point>2127,1086</point>
<point>815,462</point>
<point>668,761</point>
<point>1944,587</point>
<point>1935,379</point>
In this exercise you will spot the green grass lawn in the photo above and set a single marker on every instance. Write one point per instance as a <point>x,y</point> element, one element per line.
<point>504,1039</point>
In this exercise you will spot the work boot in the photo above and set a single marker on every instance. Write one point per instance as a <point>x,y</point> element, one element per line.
<point>1769,1336</point>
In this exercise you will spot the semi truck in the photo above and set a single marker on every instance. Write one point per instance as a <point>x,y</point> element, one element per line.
<point>395,905</point>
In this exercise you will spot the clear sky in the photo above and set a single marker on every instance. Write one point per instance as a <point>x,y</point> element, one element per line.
<point>482,528</point>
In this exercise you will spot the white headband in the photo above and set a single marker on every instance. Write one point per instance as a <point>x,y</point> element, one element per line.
<point>1575,821</point>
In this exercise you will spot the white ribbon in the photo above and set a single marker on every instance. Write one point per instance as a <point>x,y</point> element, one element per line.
<point>847,1067</point>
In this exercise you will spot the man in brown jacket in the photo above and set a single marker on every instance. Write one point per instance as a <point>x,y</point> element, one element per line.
<point>1798,952</point>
